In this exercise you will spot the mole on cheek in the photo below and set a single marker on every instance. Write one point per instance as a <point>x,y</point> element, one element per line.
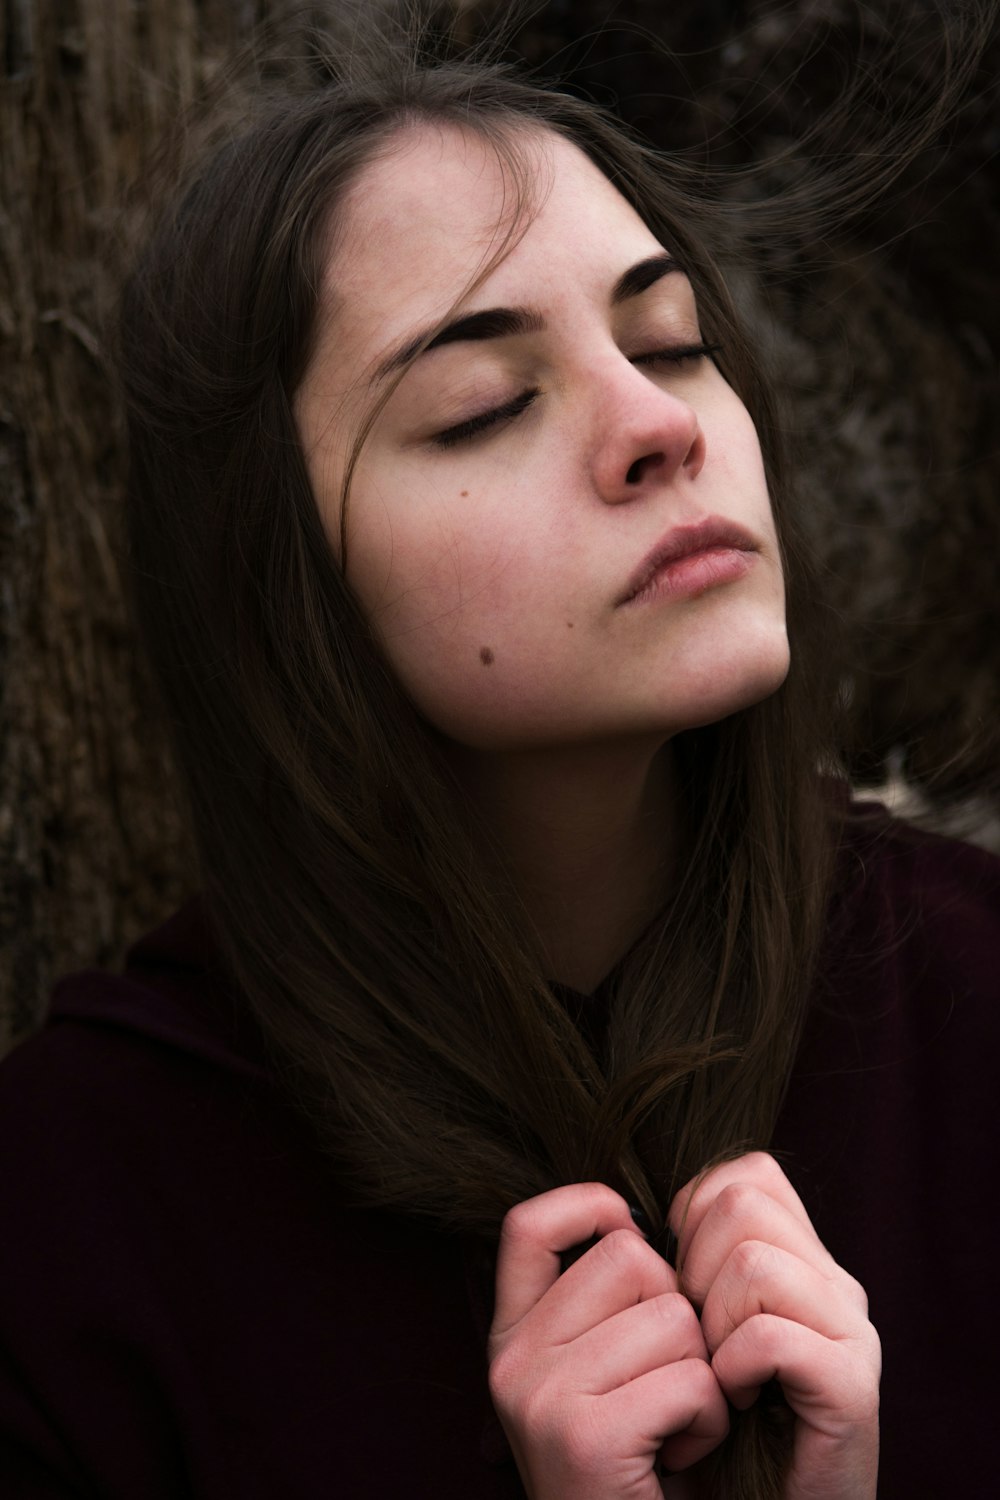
<point>486,656</point>
<point>465,494</point>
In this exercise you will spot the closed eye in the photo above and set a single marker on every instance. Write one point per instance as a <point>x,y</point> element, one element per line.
<point>678,354</point>
<point>470,428</point>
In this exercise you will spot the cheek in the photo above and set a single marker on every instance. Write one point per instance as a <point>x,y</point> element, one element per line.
<point>424,569</point>
<point>734,442</point>
<point>451,588</point>
<point>477,602</point>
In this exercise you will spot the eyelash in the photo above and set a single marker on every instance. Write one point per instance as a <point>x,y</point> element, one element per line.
<point>464,431</point>
<point>678,354</point>
<point>506,413</point>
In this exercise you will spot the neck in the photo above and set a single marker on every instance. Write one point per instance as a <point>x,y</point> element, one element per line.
<point>586,835</point>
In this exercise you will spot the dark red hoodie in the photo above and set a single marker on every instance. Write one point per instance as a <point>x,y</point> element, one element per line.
<point>187,1311</point>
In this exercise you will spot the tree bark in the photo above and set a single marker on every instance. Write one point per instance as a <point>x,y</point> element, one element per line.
<point>91,844</point>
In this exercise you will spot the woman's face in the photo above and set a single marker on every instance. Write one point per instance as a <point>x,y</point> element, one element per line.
<point>561,439</point>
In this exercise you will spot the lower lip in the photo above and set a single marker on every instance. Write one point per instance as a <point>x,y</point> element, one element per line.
<point>687,577</point>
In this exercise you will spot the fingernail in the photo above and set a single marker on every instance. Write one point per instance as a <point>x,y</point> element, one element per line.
<point>640,1220</point>
<point>665,1242</point>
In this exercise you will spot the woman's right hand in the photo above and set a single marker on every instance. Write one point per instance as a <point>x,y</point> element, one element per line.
<point>600,1372</point>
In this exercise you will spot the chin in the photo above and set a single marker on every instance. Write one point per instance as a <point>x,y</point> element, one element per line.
<point>734,681</point>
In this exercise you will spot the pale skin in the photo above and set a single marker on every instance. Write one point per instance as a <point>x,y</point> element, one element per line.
<point>603,1372</point>
<point>506,497</point>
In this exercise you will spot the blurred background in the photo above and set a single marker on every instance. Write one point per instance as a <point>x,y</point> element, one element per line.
<point>883,332</point>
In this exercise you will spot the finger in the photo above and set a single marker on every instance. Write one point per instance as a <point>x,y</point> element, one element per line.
<point>534,1234</point>
<point>657,1332</point>
<point>742,1211</point>
<point>831,1384</point>
<point>756,1168</point>
<point>678,1411</point>
<point>764,1278</point>
<point>619,1272</point>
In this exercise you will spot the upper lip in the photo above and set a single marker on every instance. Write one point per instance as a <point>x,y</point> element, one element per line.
<point>684,541</point>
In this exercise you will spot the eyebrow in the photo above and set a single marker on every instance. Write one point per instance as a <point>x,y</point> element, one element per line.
<point>502,322</point>
<point>640,277</point>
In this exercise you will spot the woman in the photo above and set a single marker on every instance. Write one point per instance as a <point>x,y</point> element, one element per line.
<point>462,554</point>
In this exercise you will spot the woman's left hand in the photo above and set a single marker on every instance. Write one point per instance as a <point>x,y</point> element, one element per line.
<point>775,1305</point>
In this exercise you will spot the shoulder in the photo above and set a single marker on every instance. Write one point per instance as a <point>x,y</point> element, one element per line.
<point>892,1089</point>
<point>889,1127</point>
<point>915,907</point>
<point>171,1009</point>
<point>115,1045</point>
<point>881,851</point>
<point>137,1089</point>
<point>897,1056</point>
<point>172,1236</point>
<point>154,1188</point>
<point>904,1022</point>
<point>125,1087</point>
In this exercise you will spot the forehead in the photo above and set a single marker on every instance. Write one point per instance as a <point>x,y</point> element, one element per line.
<point>433,212</point>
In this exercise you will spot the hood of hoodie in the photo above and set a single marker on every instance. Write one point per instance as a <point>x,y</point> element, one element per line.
<point>173,989</point>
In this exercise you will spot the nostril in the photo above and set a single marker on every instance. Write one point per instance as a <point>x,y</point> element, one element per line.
<point>637,470</point>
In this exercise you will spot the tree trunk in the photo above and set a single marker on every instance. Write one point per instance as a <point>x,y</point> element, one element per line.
<point>91,845</point>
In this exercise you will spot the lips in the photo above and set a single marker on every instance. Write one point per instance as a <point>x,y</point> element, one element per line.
<point>712,534</point>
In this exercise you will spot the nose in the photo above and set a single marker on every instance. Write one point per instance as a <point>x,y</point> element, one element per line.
<point>645,436</point>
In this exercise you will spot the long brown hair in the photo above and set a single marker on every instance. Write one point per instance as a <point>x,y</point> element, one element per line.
<point>404,1005</point>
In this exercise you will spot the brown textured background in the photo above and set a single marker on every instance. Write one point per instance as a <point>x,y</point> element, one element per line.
<point>887,351</point>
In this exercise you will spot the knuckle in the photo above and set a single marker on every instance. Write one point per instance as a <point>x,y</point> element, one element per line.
<point>872,1345</point>
<point>519,1221</point>
<point>705,1384</point>
<point>855,1292</point>
<point>537,1413</point>
<point>503,1376</point>
<point>627,1252</point>
<point>859,1390</point>
<point>752,1260</point>
<point>532,1220</point>
<point>523,1393</point>
<point>740,1201</point>
<point>763,1167</point>
<point>675,1311</point>
<point>767,1333</point>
